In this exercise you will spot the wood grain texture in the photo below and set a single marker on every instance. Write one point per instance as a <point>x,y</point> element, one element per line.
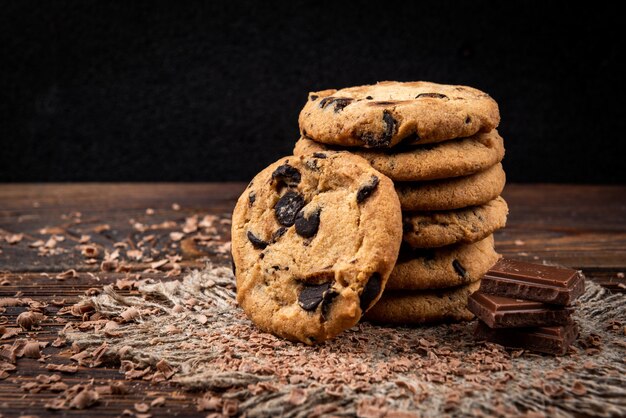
<point>578,226</point>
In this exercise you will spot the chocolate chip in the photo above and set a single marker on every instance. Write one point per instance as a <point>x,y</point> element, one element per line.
<point>311,296</point>
<point>390,126</point>
<point>468,120</point>
<point>256,242</point>
<point>278,233</point>
<point>369,98</point>
<point>287,208</point>
<point>432,95</point>
<point>325,101</point>
<point>314,97</point>
<point>307,227</point>
<point>370,291</point>
<point>251,198</point>
<point>459,269</point>
<point>232,263</point>
<point>319,155</point>
<point>339,102</point>
<point>327,301</point>
<point>366,190</point>
<point>286,174</point>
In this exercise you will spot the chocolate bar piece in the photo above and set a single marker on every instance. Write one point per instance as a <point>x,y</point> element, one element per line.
<point>551,340</point>
<point>518,279</point>
<point>503,312</point>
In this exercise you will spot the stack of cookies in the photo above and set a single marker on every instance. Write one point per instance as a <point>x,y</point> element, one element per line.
<point>439,145</point>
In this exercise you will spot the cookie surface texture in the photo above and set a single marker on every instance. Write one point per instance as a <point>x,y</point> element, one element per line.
<point>465,225</point>
<point>455,158</point>
<point>314,240</point>
<point>422,307</point>
<point>436,268</point>
<point>384,114</point>
<point>454,193</point>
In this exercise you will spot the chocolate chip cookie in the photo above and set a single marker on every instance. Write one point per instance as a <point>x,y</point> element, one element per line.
<point>459,157</point>
<point>434,268</point>
<point>314,239</point>
<point>421,307</point>
<point>465,225</point>
<point>384,114</point>
<point>454,193</point>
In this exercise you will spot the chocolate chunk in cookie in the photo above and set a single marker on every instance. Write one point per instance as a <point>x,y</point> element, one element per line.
<point>311,296</point>
<point>307,226</point>
<point>287,208</point>
<point>366,190</point>
<point>459,268</point>
<point>256,242</point>
<point>371,291</point>
<point>286,174</point>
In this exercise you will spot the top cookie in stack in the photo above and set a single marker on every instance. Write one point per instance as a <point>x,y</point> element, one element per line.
<point>439,145</point>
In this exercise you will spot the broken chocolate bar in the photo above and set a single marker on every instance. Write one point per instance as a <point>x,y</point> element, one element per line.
<point>503,312</point>
<point>518,279</point>
<point>551,340</point>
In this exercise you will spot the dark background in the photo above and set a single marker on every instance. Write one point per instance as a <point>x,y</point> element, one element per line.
<point>111,91</point>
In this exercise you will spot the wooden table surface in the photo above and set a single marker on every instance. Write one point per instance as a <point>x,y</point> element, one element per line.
<point>579,226</point>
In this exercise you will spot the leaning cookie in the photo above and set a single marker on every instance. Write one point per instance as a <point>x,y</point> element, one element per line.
<point>314,240</point>
<point>422,307</point>
<point>454,193</point>
<point>459,157</point>
<point>436,268</point>
<point>384,114</point>
<point>465,225</point>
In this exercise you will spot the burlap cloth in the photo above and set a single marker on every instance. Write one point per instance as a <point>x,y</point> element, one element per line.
<point>194,327</point>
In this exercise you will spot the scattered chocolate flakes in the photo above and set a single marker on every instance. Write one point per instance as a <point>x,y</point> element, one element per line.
<point>230,407</point>
<point>142,407</point>
<point>578,388</point>
<point>165,368</point>
<point>6,333</point>
<point>130,314</point>
<point>297,396</point>
<point>85,398</point>
<point>65,368</point>
<point>32,349</point>
<point>13,238</point>
<point>176,236</point>
<point>160,401</point>
<point>89,251</point>
<point>29,320</point>
<point>159,264</point>
<point>367,370</point>
<point>68,274</point>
